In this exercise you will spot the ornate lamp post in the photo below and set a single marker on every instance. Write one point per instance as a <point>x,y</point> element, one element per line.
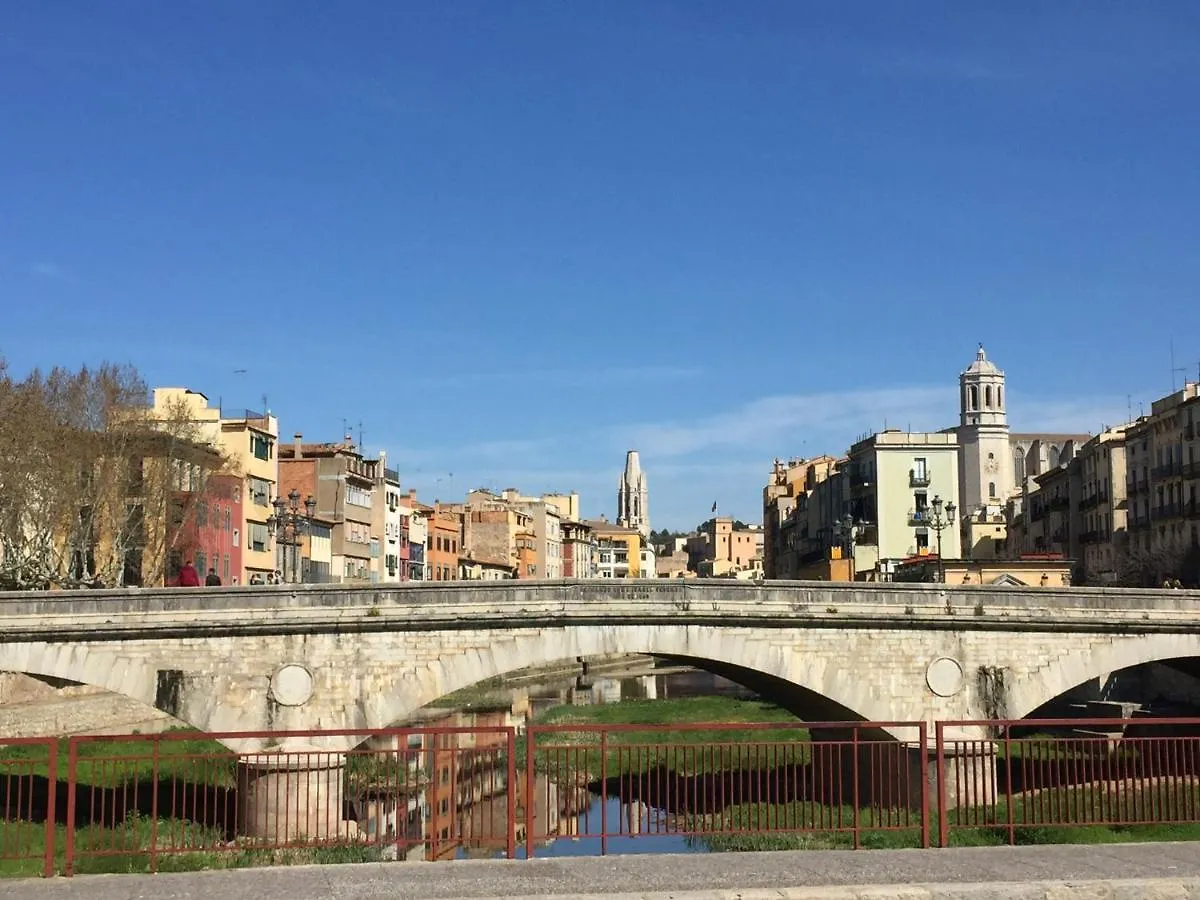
<point>846,531</point>
<point>289,525</point>
<point>939,520</point>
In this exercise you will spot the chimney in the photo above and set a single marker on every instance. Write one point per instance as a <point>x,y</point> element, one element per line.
<point>412,494</point>
<point>298,445</point>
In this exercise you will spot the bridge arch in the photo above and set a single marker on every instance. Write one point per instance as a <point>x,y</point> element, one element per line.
<point>84,664</point>
<point>821,690</point>
<point>1078,666</point>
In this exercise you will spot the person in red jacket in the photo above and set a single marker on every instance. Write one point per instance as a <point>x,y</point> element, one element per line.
<point>188,576</point>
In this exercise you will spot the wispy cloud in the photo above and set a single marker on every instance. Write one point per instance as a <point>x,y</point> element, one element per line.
<point>765,423</point>
<point>50,272</point>
<point>829,421</point>
<point>1087,415</point>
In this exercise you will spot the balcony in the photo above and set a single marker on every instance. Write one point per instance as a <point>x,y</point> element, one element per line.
<point>918,479</point>
<point>1137,523</point>
<point>1092,537</point>
<point>918,517</point>
<point>1191,469</point>
<point>1167,470</point>
<point>1166,511</point>
<point>1089,502</point>
<point>1189,431</point>
<point>1037,513</point>
<point>1060,502</point>
<point>861,478</point>
<point>1134,487</point>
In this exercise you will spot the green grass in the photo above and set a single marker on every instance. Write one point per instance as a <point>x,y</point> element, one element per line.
<point>1089,819</point>
<point>106,763</point>
<point>571,755</point>
<point>125,850</point>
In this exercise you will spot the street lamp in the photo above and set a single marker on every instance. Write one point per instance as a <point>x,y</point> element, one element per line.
<point>846,531</point>
<point>939,520</point>
<point>289,525</point>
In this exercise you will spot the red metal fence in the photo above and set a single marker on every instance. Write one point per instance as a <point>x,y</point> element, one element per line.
<point>185,800</point>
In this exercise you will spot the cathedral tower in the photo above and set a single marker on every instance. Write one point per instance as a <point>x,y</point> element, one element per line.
<point>633,497</point>
<point>986,471</point>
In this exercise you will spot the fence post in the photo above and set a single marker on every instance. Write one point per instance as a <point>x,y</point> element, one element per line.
<point>154,805</point>
<point>604,792</point>
<point>51,804</point>
<point>530,788</point>
<point>69,843</point>
<point>511,812</point>
<point>940,769</point>
<point>855,767</point>
<point>1008,783</point>
<point>923,737</point>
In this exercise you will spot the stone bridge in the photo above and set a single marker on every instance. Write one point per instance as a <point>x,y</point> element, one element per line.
<point>328,657</point>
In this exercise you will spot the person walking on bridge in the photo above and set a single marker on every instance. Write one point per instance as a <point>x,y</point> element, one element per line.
<point>188,576</point>
<point>212,579</point>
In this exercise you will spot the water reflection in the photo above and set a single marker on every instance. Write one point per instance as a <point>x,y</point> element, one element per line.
<point>460,799</point>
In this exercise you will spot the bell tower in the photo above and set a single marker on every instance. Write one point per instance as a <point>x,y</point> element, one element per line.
<point>633,496</point>
<point>986,470</point>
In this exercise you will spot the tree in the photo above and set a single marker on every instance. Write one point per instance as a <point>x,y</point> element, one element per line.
<point>95,485</point>
<point>1149,568</point>
<point>738,525</point>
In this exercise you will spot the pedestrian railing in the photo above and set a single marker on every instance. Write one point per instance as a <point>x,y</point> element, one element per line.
<point>184,800</point>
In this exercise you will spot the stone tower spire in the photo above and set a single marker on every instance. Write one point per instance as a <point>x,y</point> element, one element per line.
<point>633,497</point>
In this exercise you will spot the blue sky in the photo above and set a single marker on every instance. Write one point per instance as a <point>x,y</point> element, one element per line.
<point>516,239</point>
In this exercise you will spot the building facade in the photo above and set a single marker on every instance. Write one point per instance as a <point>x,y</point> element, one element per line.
<point>247,441</point>
<point>343,484</point>
<point>894,477</point>
<point>578,550</point>
<point>621,552</point>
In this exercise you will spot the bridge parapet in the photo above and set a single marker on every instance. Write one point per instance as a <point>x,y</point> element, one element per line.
<point>517,605</point>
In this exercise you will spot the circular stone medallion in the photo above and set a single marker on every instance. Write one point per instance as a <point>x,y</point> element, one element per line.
<point>944,676</point>
<point>291,685</point>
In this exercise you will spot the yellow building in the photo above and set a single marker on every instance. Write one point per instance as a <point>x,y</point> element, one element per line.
<point>621,552</point>
<point>247,441</point>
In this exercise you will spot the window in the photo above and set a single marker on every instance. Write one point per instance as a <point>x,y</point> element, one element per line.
<point>357,496</point>
<point>260,491</point>
<point>202,562</point>
<point>261,446</point>
<point>972,397</point>
<point>258,537</point>
<point>987,396</point>
<point>225,567</point>
<point>228,520</point>
<point>991,488</point>
<point>201,513</point>
<point>1000,398</point>
<point>236,538</point>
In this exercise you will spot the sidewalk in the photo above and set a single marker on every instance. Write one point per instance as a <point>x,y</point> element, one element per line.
<point>1127,871</point>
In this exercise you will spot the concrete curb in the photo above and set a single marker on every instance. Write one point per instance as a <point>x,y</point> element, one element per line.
<point>1107,889</point>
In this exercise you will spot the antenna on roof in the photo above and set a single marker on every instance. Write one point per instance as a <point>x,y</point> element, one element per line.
<point>360,435</point>
<point>1175,369</point>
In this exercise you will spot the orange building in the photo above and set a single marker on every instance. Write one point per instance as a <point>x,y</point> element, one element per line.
<point>444,544</point>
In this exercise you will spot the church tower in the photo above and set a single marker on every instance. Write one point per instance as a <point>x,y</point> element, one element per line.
<point>633,497</point>
<point>986,472</point>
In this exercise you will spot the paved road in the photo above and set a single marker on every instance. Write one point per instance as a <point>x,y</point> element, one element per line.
<point>715,875</point>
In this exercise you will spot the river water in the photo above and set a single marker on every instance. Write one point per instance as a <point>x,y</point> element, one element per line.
<point>464,814</point>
